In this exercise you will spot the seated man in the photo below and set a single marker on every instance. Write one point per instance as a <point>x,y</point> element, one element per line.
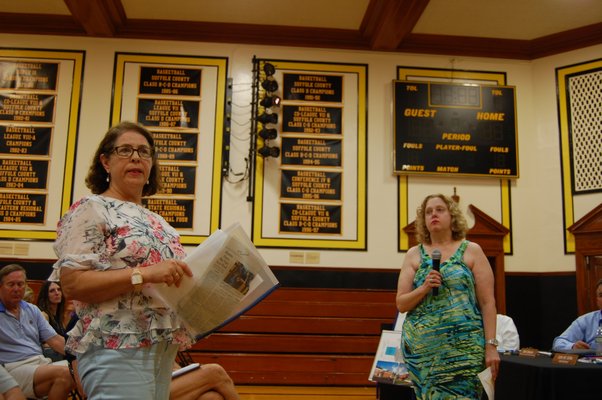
<point>581,334</point>
<point>22,326</point>
<point>9,388</point>
<point>506,334</point>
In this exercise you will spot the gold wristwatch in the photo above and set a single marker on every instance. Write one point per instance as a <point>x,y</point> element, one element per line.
<point>493,342</point>
<point>137,280</point>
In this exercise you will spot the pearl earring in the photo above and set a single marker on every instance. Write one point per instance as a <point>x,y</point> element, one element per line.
<point>108,177</point>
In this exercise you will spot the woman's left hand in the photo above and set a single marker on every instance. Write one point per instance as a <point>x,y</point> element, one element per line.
<point>169,272</point>
<point>492,359</point>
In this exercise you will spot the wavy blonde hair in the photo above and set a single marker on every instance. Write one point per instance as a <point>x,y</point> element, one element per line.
<point>459,226</point>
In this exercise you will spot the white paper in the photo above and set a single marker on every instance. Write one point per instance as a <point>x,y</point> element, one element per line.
<point>229,277</point>
<point>487,382</point>
<point>185,369</point>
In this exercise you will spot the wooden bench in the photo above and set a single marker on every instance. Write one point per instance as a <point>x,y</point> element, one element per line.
<point>300,336</point>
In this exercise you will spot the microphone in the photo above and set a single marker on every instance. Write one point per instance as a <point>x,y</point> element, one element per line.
<point>436,263</point>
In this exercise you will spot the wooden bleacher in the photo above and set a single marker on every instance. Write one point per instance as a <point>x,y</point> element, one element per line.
<point>301,336</point>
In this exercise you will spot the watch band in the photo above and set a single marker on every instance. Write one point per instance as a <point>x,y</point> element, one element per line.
<point>137,280</point>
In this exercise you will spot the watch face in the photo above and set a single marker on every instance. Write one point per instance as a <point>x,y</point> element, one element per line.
<point>136,279</point>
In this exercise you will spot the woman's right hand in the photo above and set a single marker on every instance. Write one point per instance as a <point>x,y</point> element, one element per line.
<point>432,280</point>
<point>169,272</point>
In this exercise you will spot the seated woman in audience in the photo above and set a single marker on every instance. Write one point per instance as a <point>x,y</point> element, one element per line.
<point>29,295</point>
<point>209,382</point>
<point>52,304</point>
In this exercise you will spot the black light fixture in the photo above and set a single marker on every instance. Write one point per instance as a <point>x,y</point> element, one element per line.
<point>270,85</point>
<point>270,101</point>
<point>268,133</point>
<point>267,151</point>
<point>269,69</point>
<point>266,118</point>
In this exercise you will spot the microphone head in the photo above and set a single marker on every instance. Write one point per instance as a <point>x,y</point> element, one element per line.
<point>436,255</point>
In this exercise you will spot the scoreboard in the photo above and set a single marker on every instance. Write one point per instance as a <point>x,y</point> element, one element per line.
<point>457,129</point>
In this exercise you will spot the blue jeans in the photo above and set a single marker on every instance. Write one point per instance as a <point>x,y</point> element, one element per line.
<point>142,373</point>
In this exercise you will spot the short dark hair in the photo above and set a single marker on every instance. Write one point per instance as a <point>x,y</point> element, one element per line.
<point>9,269</point>
<point>96,180</point>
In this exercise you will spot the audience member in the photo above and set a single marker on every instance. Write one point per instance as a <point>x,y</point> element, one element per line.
<point>52,304</point>
<point>581,334</point>
<point>109,247</point>
<point>9,388</point>
<point>29,296</point>
<point>448,337</point>
<point>22,327</point>
<point>506,334</point>
<point>209,382</point>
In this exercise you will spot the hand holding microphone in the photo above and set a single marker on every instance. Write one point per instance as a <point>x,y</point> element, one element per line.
<point>436,264</point>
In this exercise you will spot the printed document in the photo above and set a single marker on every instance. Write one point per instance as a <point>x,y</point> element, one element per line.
<point>229,277</point>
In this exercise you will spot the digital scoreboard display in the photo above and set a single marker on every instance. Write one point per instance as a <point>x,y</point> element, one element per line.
<point>458,129</point>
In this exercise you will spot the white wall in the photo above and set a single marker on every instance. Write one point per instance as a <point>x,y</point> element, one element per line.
<point>536,196</point>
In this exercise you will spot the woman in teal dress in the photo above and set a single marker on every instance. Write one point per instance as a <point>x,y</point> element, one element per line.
<point>449,337</point>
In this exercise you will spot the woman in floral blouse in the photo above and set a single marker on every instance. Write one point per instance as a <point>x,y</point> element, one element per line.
<point>109,246</point>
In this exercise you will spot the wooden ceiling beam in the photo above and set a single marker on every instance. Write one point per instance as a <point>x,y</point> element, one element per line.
<point>267,35</point>
<point>101,18</point>
<point>39,24</point>
<point>561,42</point>
<point>466,46</point>
<point>387,23</point>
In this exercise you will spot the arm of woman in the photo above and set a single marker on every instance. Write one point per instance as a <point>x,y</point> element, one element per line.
<point>483,275</point>
<point>93,286</point>
<point>83,269</point>
<point>408,298</point>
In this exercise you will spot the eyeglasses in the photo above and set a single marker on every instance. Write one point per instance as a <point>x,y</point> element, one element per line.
<point>127,151</point>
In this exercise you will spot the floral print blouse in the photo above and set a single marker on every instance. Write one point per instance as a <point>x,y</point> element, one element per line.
<point>101,233</point>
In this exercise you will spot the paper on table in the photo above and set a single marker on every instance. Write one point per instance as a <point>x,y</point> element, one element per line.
<point>487,382</point>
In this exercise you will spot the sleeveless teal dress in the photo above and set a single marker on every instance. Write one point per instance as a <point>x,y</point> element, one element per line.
<point>444,345</point>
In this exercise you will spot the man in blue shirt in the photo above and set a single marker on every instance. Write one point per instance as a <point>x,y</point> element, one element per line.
<point>22,330</point>
<point>581,334</point>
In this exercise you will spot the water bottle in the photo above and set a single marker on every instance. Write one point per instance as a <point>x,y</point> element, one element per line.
<point>599,339</point>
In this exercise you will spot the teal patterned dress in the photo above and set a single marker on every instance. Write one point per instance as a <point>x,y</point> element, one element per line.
<point>444,345</point>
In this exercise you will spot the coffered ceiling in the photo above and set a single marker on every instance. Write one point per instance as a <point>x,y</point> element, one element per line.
<point>516,29</point>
